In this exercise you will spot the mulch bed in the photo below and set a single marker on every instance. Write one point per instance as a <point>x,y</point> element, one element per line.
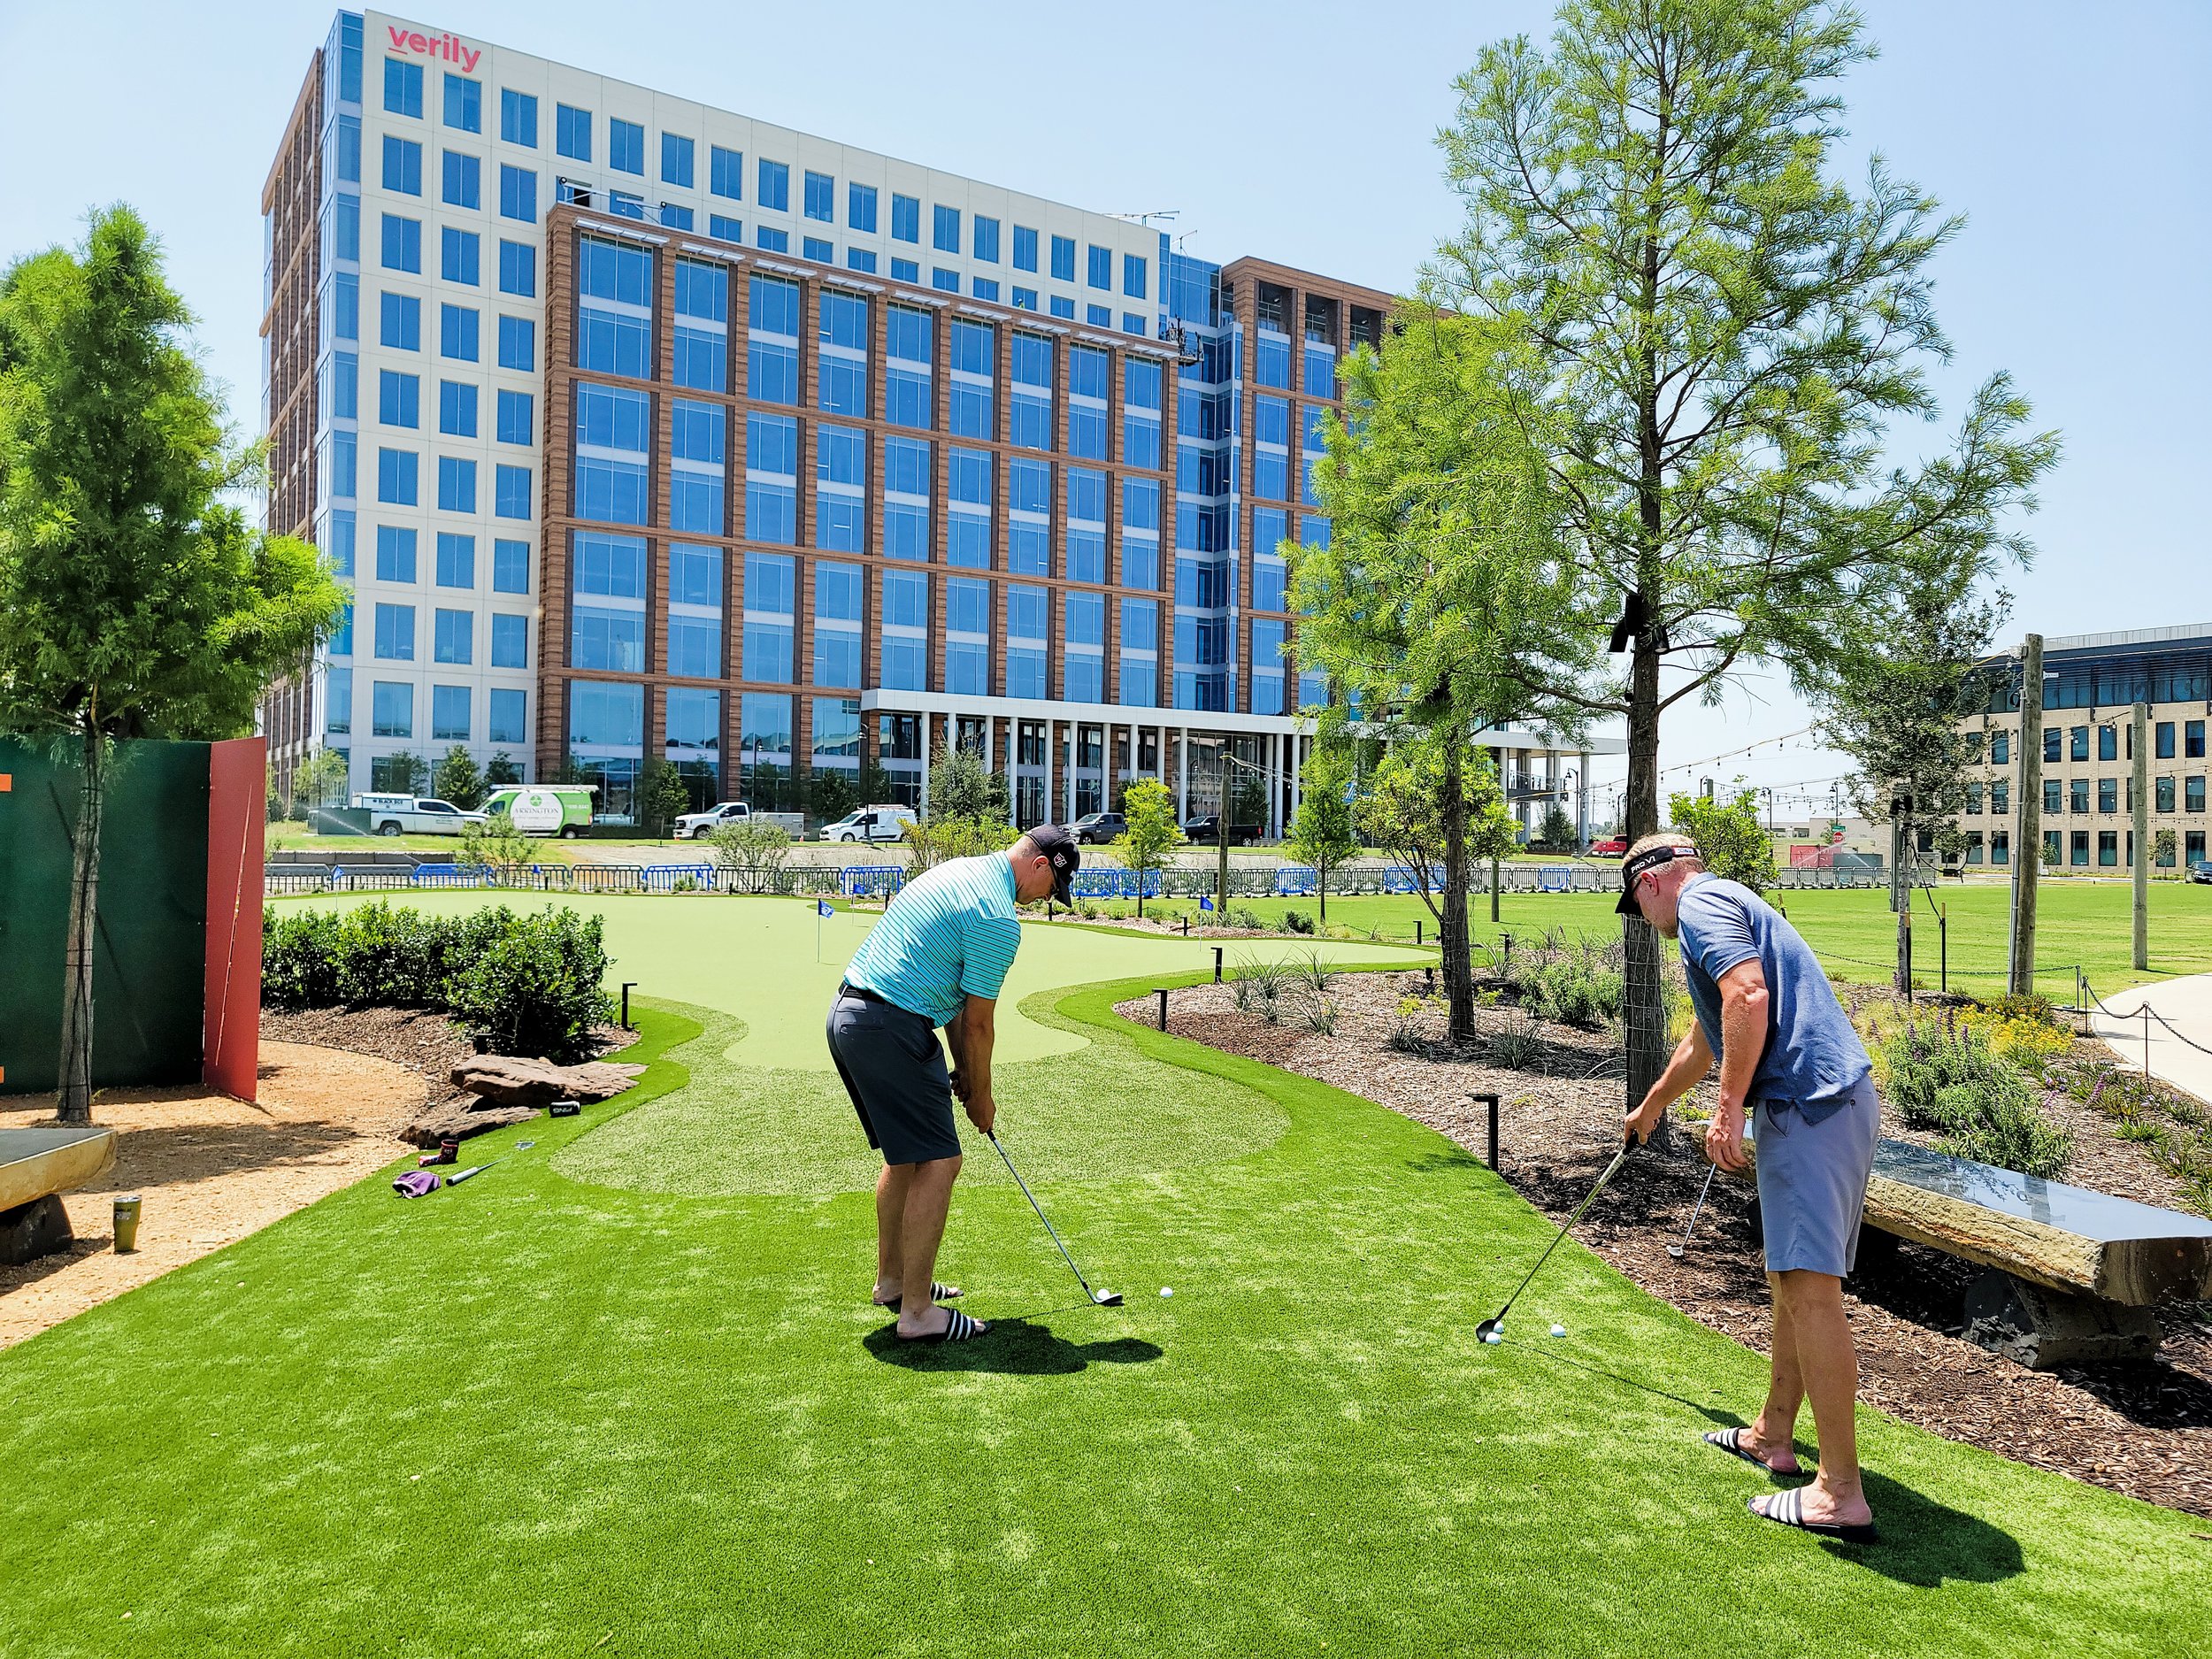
<point>2142,1429</point>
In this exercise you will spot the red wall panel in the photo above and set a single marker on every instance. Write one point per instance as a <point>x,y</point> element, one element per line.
<point>231,1037</point>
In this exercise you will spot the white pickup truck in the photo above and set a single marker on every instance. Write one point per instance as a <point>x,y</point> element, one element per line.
<point>697,826</point>
<point>414,815</point>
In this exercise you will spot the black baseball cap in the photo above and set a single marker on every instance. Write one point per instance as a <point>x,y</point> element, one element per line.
<point>1056,844</point>
<point>1650,858</point>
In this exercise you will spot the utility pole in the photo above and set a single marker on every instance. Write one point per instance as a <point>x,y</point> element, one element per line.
<point>2028,857</point>
<point>2138,737</point>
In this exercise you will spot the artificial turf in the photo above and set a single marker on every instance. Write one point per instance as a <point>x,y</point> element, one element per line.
<point>542,1414</point>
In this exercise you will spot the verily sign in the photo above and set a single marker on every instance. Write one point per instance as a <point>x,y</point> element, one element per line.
<point>446,46</point>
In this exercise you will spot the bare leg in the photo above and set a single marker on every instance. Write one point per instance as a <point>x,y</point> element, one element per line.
<point>1772,1434</point>
<point>891,1189</point>
<point>928,1197</point>
<point>1829,1365</point>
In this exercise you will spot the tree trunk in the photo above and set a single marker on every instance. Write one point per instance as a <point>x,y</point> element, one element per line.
<point>1493,886</point>
<point>73,1105</point>
<point>1901,840</point>
<point>1459,984</point>
<point>1321,880</point>
<point>1643,988</point>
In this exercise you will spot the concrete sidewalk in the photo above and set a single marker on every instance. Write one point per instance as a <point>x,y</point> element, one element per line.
<point>2187,1003</point>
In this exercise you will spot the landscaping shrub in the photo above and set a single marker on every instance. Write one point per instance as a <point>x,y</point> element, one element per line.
<point>1518,1044</point>
<point>532,981</point>
<point>1981,1104</point>
<point>2040,1009</point>
<point>1406,1036</point>
<point>1571,992</point>
<point>1245,916</point>
<point>1297,922</point>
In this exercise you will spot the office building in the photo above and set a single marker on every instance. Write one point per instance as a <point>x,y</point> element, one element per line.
<point>644,430</point>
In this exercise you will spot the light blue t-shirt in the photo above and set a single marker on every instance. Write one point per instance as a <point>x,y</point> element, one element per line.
<point>1813,1056</point>
<point>951,934</point>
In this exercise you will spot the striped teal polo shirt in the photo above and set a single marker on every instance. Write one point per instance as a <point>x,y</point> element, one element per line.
<point>951,934</point>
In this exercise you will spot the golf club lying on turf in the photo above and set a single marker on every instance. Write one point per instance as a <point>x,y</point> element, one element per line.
<point>1675,1250</point>
<point>1103,1298</point>
<point>1484,1331</point>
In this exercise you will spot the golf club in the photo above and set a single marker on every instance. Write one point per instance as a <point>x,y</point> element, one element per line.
<point>1675,1250</point>
<point>1628,1145</point>
<point>1103,1298</point>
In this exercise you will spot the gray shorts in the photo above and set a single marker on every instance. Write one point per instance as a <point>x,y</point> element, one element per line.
<point>894,1068</point>
<point>1812,1181</point>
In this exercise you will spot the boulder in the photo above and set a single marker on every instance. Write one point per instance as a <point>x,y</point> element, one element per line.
<point>2043,1330</point>
<point>507,1080</point>
<point>30,1231</point>
<point>462,1118</point>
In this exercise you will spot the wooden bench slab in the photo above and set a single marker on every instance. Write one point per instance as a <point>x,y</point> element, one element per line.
<point>36,1162</point>
<point>2068,1239</point>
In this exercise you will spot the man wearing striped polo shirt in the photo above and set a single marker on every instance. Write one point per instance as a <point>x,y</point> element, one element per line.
<point>938,958</point>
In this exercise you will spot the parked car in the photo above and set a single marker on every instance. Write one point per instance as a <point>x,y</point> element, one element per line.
<point>2200,872</point>
<point>869,824</point>
<point>572,801</point>
<point>697,826</point>
<point>1612,847</point>
<point>1099,828</point>
<point>414,815</point>
<point>1206,832</point>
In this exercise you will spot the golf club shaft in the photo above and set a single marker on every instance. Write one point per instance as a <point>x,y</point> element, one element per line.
<point>1611,1169</point>
<point>1039,1208</point>
<point>1698,1209</point>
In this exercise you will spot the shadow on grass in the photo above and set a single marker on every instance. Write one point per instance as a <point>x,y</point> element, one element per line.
<point>1013,1348</point>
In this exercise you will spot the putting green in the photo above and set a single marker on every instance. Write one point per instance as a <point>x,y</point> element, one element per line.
<point>543,1414</point>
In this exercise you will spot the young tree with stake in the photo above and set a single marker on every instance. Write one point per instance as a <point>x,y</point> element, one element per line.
<point>1322,833</point>
<point>1149,830</point>
<point>136,599</point>
<point>1720,336</point>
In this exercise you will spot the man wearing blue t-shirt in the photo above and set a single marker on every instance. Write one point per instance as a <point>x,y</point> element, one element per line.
<point>1790,1057</point>
<point>938,958</point>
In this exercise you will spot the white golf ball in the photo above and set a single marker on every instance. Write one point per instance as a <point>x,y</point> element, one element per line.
<point>1559,1330</point>
<point>1494,1338</point>
<point>1164,1291</point>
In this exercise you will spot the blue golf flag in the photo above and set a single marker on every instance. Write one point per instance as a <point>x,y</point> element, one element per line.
<point>823,907</point>
<point>1205,902</point>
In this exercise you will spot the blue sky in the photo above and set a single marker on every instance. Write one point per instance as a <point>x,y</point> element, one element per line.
<point>2074,138</point>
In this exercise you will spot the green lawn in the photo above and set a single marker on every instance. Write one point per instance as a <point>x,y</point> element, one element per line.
<point>624,1394</point>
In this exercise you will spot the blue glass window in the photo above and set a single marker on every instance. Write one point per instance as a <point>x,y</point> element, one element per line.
<point>968,520</point>
<point>771,241</point>
<point>515,424</point>
<point>403,243</point>
<point>457,409</point>
<point>457,333</point>
<point>511,567</point>
<point>1098,316</point>
<point>517,342</point>
<point>1024,299</point>
<point>841,353</point>
<point>464,103</point>
<point>726,229</point>
<point>1063,258</point>
<point>626,146</point>
<point>770,607</point>
<point>402,166</point>
<point>945,228</point>
<point>695,611</point>
<point>696,466</point>
<point>774,191</point>
<point>453,638</point>
<point>450,707</point>
<point>462,183</point>
<point>395,474</point>
<point>818,250</point>
<point>396,632</point>
<point>841,489</point>
<point>905,271</point>
<point>1083,533</point>
<point>1083,636</point>
<point>968,636</point>
<point>771,357</point>
<point>518,269</point>
<point>607,615</point>
<point>510,714</point>
<point>903,631</point>
<point>702,311</point>
<point>338,689</point>
<point>517,118</point>
<point>614,312</point>
<point>456,484</point>
<point>771,478</point>
<point>944,278</point>
<point>338,540</point>
<point>1140,413</point>
<point>974,355</point>
<point>1320,369</point>
<point>395,553</point>
<point>837,604</point>
<point>860,259</point>
<point>907,374</point>
<point>395,708</point>
<point>572,132</point>
<point>1102,266</point>
<point>1029,518</point>
<point>402,87</point>
<point>458,255</point>
<point>511,491</point>
<point>613,434</point>
<point>1029,402</point>
<point>819,199</point>
<point>519,194</point>
<point>1271,360</point>
<point>1089,379</point>
<point>1267,667</point>
<point>343,464</point>
<point>860,207</point>
<point>1061,306</point>
<point>906,498</point>
<point>906,218</point>
<point>725,173</point>
<point>1132,275</point>
<point>1025,247</point>
<point>1025,623</point>
<point>986,240</point>
<point>397,398</point>
<point>1140,532</point>
<point>456,560</point>
<point>984,288</point>
<point>677,153</point>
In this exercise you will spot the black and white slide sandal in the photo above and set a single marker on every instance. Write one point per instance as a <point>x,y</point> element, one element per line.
<point>1788,1507</point>
<point>959,1328</point>
<point>937,1292</point>
<point>1730,1440</point>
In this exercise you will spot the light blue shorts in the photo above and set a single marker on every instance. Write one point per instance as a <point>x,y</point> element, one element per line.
<point>1812,1181</point>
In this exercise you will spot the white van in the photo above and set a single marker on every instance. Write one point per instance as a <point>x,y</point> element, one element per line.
<point>414,815</point>
<point>869,824</point>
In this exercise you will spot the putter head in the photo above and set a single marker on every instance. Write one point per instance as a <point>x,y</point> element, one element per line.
<point>1106,1298</point>
<point>1675,1250</point>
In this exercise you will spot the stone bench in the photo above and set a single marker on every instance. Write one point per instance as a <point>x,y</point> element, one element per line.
<point>36,1166</point>
<point>2074,1273</point>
